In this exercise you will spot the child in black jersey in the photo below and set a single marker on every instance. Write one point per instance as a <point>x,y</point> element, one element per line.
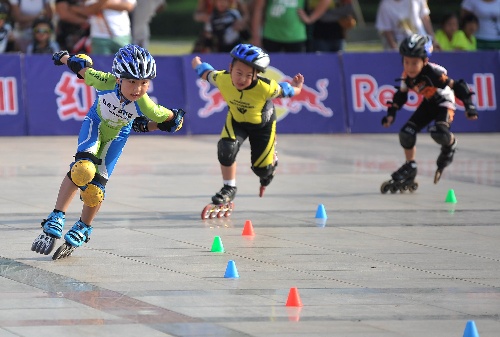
<point>438,90</point>
<point>251,114</point>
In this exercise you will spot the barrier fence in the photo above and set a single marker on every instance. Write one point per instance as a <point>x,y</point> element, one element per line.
<point>343,93</point>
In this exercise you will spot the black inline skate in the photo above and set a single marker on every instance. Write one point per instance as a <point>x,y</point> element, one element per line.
<point>222,203</point>
<point>402,180</point>
<point>444,159</point>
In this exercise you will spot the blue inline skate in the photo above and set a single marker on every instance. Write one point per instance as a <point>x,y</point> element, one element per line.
<point>52,230</point>
<point>402,180</point>
<point>75,237</point>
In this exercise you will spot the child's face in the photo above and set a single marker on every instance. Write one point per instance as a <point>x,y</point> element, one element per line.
<point>133,89</point>
<point>222,5</point>
<point>451,26</point>
<point>42,32</point>
<point>470,28</point>
<point>413,65</point>
<point>242,75</point>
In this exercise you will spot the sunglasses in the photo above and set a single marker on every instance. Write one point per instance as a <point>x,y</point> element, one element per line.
<point>41,30</point>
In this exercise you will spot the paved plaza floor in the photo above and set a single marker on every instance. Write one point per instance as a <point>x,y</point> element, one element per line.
<point>382,265</point>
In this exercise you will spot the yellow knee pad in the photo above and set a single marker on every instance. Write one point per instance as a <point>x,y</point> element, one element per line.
<point>92,195</point>
<point>82,172</point>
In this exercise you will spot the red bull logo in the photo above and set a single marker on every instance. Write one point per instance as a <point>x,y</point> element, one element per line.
<point>8,96</point>
<point>74,97</point>
<point>368,95</point>
<point>309,98</point>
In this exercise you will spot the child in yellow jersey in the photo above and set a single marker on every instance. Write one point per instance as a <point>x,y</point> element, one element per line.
<point>251,114</point>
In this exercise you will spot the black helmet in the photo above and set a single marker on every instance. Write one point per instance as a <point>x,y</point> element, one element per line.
<point>416,46</point>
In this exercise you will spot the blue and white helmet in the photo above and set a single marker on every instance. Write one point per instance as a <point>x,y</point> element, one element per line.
<point>134,62</point>
<point>251,55</point>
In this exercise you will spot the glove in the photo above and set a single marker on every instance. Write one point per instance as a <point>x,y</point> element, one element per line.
<point>57,57</point>
<point>78,62</point>
<point>390,112</point>
<point>470,110</point>
<point>175,124</point>
<point>140,124</point>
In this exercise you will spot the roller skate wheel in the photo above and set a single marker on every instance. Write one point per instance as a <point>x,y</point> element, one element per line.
<point>413,187</point>
<point>385,187</point>
<point>229,210</point>
<point>205,214</point>
<point>393,189</point>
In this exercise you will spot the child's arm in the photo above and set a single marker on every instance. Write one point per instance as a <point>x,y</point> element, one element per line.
<point>290,90</point>
<point>398,100</point>
<point>173,123</point>
<point>202,68</point>
<point>464,94</point>
<point>77,63</point>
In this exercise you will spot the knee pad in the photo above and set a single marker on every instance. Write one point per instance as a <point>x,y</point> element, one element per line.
<point>227,149</point>
<point>93,194</point>
<point>441,134</point>
<point>408,136</point>
<point>83,170</point>
<point>263,172</point>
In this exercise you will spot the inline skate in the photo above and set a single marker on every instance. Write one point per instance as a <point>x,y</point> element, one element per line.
<point>52,230</point>
<point>444,159</point>
<point>402,180</point>
<point>74,238</point>
<point>221,205</point>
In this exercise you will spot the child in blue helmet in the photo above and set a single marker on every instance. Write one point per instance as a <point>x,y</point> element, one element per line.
<point>438,90</point>
<point>122,104</point>
<point>251,114</point>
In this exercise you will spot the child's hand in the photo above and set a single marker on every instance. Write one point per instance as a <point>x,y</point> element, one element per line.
<point>195,62</point>
<point>387,121</point>
<point>298,81</point>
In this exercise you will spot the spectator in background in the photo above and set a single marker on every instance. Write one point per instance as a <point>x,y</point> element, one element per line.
<point>141,18</point>
<point>444,35</point>
<point>465,39</point>
<point>6,36</point>
<point>110,29</point>
<point>488,14</point>
<point>73,28</point>
<point>328,33</point>
<point>223,30</point>
<point>42,38</point>
<point>280,26</point>
<point>24,14</point>
<point>203,14</point>
<point>399,19</point>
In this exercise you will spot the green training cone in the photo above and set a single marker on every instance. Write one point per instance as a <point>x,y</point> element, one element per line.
<point>470,330</point>
<point>217,246</point>
<point>450,197</point>
<point>321,213</point>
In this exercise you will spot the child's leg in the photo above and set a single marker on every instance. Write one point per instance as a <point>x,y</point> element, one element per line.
<point>67,192</point>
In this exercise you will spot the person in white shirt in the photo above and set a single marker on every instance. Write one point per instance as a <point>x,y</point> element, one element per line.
<point>24,13</point>
<point>399,19</point>
<point>141,17</point>
<point>111,29</point>
<point>488,14</point>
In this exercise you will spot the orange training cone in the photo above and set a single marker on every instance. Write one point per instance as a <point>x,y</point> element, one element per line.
<point>293,298</point>
<point>248,229</point>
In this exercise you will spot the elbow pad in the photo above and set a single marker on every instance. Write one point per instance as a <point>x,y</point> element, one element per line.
<point>201,68</point>
<point>286,89</point>
<point>79,62</point>
<point>462,91</point>
<point>400,98</point>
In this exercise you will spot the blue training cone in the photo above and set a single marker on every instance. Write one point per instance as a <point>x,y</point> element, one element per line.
<point>231,271</point>
<point>321,213</point>
<point>471,330</point>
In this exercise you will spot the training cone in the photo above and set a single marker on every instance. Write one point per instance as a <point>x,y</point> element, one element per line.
<point>248,229</point>
<point>450,197</point>
<point>231,271</point>
<point>470,330</point>
<point>217,246</point>
<point>293,298</point>
<point>321,213</point>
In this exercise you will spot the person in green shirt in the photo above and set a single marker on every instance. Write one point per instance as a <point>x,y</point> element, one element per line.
<point>444,35</point>
<point>465,38</point>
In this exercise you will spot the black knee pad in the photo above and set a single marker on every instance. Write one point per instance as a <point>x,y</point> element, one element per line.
<point>227,149</point>
<point>441,134</point>
<point>263,172</point>
<point>408,136</point>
